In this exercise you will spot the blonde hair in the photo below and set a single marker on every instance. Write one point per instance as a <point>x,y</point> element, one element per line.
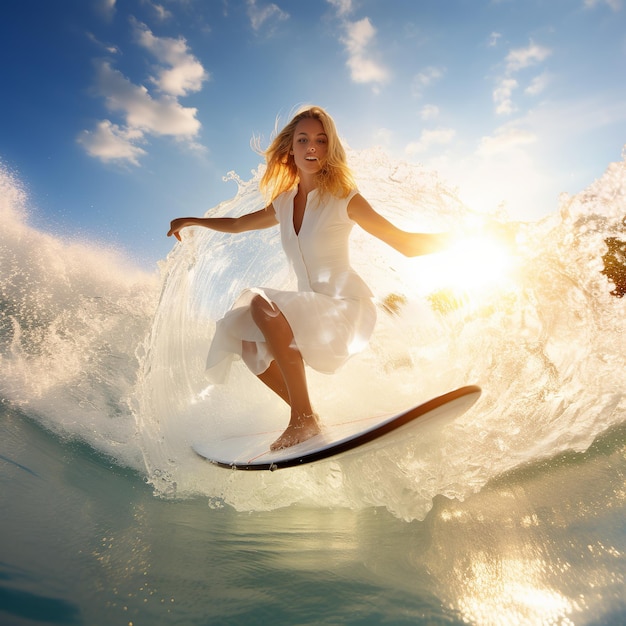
<point>281,172</point>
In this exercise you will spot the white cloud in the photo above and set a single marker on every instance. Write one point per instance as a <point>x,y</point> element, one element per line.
<point>512,182</point>
<point>259,15</point>
<point>517,60</point>
<point>505,172</point>
<point>502,172</point>
<point>521,58</point>
<point>106,8</point>
<point>185,73</point>
<point>424,79</point>
<point>359,36</point>
<point>161,12</point>
<point>538,84</point>
<point>510,166</point>
<point>506,139</point>
<point>429,112</point>
<point>560,121</point>
<point>502,96</point>
<point>109,142</point>
<point>428,76</point>
<point>343,7</point>
<point>359,40</point>
<point>616,5</point>
<point>430,138</point>
<point>494,38</point>
<point>111,49</point>
<point>162,116</point>
<point>178,74</point>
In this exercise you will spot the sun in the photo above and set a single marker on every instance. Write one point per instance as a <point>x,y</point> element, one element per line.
<point>476,262</point>
<point>473,267</point>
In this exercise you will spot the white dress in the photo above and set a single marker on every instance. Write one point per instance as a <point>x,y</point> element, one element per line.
<point>332,315</point>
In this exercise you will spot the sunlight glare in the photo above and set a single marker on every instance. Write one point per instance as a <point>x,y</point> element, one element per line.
<point>512,591</point>
<point>470,266</point>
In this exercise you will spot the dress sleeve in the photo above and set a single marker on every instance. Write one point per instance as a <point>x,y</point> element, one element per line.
<point>281,205</point>
<point>344,207</point>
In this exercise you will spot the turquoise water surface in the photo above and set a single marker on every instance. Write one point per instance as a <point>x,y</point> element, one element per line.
<point>86,542</point>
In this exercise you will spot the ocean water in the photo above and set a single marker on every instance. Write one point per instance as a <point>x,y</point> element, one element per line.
<point>513,514</point>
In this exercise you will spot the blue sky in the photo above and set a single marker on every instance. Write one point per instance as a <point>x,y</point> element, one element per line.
<point>121,114</point>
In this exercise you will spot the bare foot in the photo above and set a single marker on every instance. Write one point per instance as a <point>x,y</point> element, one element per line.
<point>300,429</point>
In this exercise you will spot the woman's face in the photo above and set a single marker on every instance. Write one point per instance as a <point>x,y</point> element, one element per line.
<point>310,145</point>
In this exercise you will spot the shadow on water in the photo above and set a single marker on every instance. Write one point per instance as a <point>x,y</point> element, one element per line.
<point>84,541</point>
<point>23,605</point>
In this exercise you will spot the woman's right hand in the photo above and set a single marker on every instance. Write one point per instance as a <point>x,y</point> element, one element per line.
<point>176,226</point>
<point>264,218</point>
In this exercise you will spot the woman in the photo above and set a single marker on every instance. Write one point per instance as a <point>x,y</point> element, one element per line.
<point>314,201</point>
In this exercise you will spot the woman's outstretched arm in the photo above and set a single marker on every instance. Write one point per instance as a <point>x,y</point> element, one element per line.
<point>409,244</point>
<point>264,218</point>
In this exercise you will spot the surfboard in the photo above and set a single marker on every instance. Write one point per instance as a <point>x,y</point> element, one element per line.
<point>251,451</point>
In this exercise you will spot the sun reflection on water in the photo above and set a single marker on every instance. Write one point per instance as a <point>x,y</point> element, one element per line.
<point>510,591</point>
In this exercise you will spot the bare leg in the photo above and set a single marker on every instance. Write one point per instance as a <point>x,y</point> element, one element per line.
<point>272,377</point>
<point>303,423</point>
